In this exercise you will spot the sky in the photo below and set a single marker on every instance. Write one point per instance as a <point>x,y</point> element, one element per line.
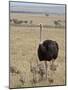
<point>37,7</point>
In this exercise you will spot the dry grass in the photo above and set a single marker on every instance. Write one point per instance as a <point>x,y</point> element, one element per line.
<point>23,50</point>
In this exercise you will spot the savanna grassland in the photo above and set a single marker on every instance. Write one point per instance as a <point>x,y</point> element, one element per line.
<point>24,42</point>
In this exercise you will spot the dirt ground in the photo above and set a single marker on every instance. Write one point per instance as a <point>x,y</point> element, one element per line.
<point>24,42</point>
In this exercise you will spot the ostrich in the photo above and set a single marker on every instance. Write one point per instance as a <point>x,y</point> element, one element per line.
<point>47,50</point>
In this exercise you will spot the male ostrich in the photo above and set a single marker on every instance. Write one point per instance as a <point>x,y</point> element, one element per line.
<point>48,51</point>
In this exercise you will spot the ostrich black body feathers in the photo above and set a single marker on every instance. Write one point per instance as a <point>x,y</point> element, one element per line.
<point>48,50</point>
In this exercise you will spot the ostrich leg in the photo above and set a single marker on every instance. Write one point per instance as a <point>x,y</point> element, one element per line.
<point>52,66</point>
<point>46,68</point>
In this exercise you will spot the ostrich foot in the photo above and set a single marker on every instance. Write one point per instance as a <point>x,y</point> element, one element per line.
<point>50,80</point>
<point>53,67</point>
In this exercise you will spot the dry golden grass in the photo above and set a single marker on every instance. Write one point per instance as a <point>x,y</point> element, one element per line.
<point>24,42</point>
